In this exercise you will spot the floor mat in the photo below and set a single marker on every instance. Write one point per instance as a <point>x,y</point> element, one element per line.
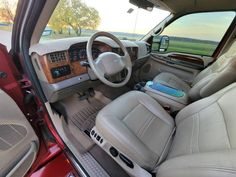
<point>79,116</point>
<point>111,92</point>
<point>84,119</point>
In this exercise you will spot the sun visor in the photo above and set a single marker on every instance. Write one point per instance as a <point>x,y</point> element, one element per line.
<point>144,4</point>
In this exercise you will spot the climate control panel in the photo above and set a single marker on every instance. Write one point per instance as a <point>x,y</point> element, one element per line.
<point>60,71</point>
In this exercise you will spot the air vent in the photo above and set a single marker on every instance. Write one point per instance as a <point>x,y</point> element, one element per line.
<point>57,57</point>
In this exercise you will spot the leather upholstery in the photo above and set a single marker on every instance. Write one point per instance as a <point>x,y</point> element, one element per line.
<point>138,126</point>
<point>203,145</point>
<point>205,139</point>
<point>215,77</point>
<point>172,81</point>
<point>211,164</point>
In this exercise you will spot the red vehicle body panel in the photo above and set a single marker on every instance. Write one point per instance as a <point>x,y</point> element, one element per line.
<point>9,83</point>
<point>58,167</point>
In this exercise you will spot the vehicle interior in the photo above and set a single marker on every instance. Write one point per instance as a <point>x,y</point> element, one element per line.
<point>145,107</point>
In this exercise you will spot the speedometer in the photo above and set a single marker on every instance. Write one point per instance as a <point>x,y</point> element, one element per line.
<point>82,54</point>
<point>73,55</point>
<point>95,53</point>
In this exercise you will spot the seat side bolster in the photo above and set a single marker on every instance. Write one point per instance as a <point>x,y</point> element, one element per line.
<point>221,80</point>
<point>201,104</point>
<point>217,164</point>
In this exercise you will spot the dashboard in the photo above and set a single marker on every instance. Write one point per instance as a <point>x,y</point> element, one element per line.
<point>62,65</point>
<point>59,64</point>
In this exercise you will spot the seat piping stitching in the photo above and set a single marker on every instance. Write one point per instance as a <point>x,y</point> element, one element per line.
<point>198,132</point>
<point>191,143</point>
<point>226,129</point>
<point>146,126</point>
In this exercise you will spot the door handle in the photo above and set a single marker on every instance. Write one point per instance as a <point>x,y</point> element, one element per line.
<point>170,62</point>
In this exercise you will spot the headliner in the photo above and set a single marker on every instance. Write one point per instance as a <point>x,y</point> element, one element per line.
<point>189,6</point>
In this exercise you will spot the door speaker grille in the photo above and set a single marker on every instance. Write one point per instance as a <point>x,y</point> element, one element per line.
<point>10,135</point>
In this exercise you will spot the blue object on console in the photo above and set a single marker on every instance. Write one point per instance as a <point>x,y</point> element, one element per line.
<point>165,89</point>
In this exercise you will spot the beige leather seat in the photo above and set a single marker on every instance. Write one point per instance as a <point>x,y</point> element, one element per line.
<point>138,126</point>
<point>203,144</point>
<point>215,77</point>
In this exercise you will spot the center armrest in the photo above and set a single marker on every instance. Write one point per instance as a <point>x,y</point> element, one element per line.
<point>165,89</point>
<point>166,95</point>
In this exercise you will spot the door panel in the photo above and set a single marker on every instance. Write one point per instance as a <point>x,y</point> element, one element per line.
<point>179,66</point>
<point>9,77</point>
<point>18,141</point>
<point>185,60</point>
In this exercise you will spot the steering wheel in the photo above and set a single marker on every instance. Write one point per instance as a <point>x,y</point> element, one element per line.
<point>109,63</point>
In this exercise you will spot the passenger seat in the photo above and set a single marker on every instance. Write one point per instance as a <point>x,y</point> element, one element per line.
<point>215,77</point>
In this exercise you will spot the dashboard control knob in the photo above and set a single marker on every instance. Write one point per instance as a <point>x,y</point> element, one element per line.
<point>56,73</point>
<point>84,63</point>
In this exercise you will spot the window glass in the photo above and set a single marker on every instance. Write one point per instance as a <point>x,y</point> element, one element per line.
<point>7,14</point>
<point>196,33</point>
<point>79,18</point>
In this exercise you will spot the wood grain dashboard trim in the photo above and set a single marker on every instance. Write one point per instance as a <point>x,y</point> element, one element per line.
<point>191,59</point>
<point>76,68</point>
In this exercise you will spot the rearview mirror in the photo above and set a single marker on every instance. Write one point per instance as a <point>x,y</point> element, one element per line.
<point>164,43</point>
<point>144,4</point>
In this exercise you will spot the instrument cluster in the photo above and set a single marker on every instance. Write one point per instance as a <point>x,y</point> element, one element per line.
<point>80,54</point>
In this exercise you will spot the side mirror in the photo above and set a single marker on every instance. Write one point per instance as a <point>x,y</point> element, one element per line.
<point>160,43</point>
<point>164,44</point>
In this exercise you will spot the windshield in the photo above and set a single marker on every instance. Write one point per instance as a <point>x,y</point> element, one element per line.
<point>84,17</point>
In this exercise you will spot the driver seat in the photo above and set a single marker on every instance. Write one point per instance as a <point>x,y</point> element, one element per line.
<point>140,135</point>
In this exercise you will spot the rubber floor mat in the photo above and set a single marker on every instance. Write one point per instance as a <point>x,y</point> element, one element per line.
<point>84,119</point>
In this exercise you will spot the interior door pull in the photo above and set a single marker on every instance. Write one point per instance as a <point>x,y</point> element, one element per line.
<point>170,62</point>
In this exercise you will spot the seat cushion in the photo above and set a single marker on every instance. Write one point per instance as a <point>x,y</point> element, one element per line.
<point>205,138</point>
<point>172,81</point>
<point>137,126</point>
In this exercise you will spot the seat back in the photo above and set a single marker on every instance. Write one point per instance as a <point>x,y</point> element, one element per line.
<point>215,77</point>
<point>204,144</point>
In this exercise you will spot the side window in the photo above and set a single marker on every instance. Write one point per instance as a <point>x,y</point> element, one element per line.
<point>7,15</point>
<point>198,33</point>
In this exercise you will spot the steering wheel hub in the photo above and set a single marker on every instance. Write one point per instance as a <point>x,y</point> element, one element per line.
<point>111,62</point>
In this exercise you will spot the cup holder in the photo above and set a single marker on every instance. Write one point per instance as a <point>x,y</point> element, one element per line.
<point>140,86</point>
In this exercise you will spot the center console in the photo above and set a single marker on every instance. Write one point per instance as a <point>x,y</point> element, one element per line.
<point>167,96</point>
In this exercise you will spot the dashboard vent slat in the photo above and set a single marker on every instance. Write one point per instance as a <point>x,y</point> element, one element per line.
<point>57,57</point>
